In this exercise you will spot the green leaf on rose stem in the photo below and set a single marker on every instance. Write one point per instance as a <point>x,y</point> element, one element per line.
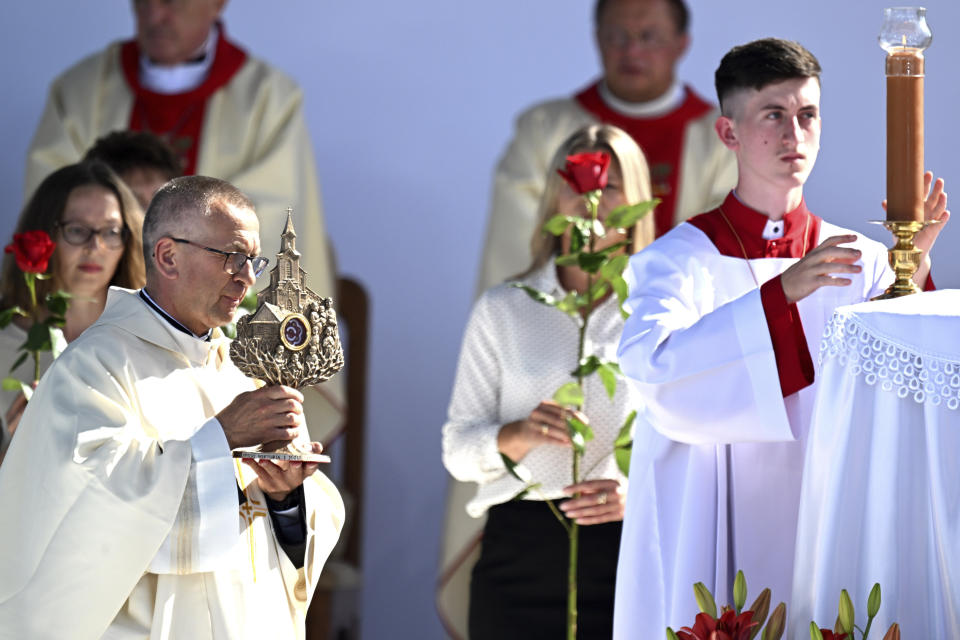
<point>7,315</point>
<point>609,379</point>
<point>536,294</point>
<point>613,267</point>
<point>597,261</point>
<point>567,260</point>
<point>576,425</point>
<point>614,248</point>
<point>873,601</point>
<point>590,262</point>
<point>558,224</point>
<point>628,214</point>
<point>12,384</point>
<point>580,433</point>
<point>579,443</point>
<point>38,338</point>
<point>587,366</point>
<point>57,302</point>
<point>42,276</point>
<point>19,361</point>
<point>577,240</point>
<point>569,394</point>
<point>739,591</point>
<point>623,444</point>
<point>520,473</point>
<point>846,612</point>
<point>671,635</point>
<point>625,435</point>
<point>620,288</point>
<point>815,632</point>
<point>570,304</point>
<point>705,600</point>
<point>598,290</point>
<point>584,226</point>
<point>58,343</point>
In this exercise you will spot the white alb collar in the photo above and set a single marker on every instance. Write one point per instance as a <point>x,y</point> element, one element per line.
<point>655,108</point>
<point>183,77</point>
<point>773,230</point>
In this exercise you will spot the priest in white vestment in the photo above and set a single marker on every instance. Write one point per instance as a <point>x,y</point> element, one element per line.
<point>225,112</point>
<point>124,513</point>
<point>727,309</point>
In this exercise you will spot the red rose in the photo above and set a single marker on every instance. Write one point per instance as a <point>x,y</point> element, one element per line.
<point>586,171</point>
<point>32,250</point>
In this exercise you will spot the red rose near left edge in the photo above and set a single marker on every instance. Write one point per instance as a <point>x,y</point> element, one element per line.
<point>586,172</point>
<point>32,250</point>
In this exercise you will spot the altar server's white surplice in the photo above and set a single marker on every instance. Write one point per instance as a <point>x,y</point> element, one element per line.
<point>120,506</point>
<point>718,451</point>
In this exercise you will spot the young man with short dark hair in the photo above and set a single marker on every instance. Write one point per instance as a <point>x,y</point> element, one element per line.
<point>728,310</point>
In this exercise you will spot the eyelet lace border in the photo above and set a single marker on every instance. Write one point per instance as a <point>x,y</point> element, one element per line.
<point>922,377</point>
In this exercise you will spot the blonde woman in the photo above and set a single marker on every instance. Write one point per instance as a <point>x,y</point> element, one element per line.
<point>95,221</point>
<point>515,354</point>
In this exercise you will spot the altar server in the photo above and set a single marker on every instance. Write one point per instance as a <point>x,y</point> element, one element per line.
<point>728,311</point>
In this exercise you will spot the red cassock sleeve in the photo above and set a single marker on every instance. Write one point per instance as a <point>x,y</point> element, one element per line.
<point>794,364</point>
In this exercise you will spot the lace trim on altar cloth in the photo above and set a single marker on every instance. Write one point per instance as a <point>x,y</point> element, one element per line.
<point>895,367</point>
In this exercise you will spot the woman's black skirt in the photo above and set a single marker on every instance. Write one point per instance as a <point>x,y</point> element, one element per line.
<point>519,584</point>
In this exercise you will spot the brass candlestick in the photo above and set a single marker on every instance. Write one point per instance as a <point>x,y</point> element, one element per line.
<point>904,257</point>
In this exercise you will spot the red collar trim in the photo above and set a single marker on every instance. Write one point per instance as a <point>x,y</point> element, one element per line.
<point>749,224</point>
<point>227,60</point>
<point>692,107</point>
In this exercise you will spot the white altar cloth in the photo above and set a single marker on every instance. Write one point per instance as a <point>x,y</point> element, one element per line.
<point>881,483</point>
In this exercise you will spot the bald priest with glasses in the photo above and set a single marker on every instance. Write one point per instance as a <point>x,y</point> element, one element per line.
<point>124,514</point>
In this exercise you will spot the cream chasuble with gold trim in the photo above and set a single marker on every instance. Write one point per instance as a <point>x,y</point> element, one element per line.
<point>119,498</point>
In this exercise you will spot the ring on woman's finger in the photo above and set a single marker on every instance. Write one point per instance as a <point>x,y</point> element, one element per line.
<point>544,429</point>
<point>602,498</point>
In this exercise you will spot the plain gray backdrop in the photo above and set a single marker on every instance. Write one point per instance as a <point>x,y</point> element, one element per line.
<point>409,105</point>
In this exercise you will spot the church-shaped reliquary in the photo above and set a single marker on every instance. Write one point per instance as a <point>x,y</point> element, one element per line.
<point>292,337</point>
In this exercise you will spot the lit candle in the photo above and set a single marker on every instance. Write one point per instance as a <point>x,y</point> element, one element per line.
<point>904,36</point>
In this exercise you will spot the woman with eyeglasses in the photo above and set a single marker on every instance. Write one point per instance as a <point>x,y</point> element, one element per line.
<point>95,221</point>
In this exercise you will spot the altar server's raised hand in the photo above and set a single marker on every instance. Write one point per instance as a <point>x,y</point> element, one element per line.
<point>818,267</point>
<point>934,208</point>
<point>265,415</point>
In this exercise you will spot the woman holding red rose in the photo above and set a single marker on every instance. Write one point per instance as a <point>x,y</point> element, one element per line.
<point>516,352</point>
<point>94,223</point>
